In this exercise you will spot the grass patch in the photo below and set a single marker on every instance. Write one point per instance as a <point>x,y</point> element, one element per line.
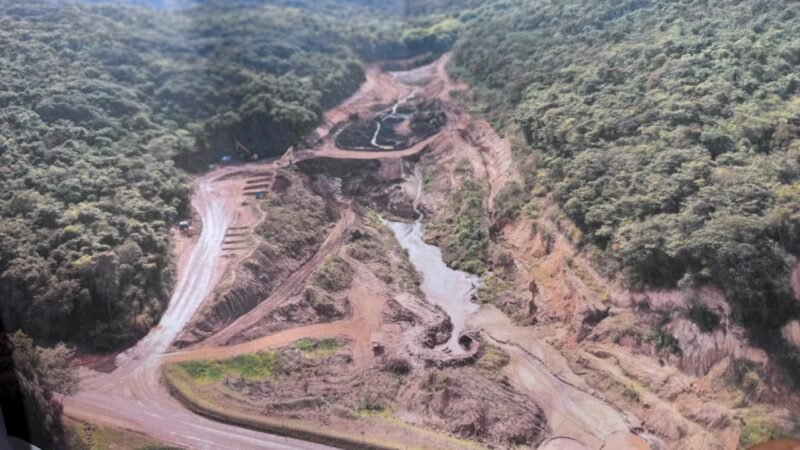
<point>322,302</point>
<point>315,348</point>
<point>90,436</point>
<point>464,235</point>
<point>335,275</point>
<point>757,431</point>
<point>492,287</point>
<point>493,359</point>
<point>254,366</point>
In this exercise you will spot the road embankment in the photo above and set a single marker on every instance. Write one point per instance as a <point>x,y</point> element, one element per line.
<point>183,389</point>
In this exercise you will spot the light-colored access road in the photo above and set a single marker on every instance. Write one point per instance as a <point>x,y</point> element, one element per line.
<point>131,396</point>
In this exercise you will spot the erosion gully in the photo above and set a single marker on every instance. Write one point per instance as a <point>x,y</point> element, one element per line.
<point>131,396</point>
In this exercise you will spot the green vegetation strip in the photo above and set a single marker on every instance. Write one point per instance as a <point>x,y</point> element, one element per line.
<point>311,347</point>
<point>90,436</point>
<point>255,366</point>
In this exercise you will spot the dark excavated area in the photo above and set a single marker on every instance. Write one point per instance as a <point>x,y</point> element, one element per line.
<point>399,127</point>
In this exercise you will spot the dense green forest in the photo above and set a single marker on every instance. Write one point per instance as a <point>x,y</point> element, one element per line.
<point>104,107</point>
<point>668,132</point>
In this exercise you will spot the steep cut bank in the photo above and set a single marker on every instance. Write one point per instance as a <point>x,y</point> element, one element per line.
<point>285,230</point>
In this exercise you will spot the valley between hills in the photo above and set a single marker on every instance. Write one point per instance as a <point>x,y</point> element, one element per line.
<point>315,311</point>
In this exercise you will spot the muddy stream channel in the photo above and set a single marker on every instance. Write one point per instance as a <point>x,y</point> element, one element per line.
<point>574,415</point>
<point>449,289</point>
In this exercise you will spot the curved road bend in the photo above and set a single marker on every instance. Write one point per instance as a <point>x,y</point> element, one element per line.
<point>131,396</point>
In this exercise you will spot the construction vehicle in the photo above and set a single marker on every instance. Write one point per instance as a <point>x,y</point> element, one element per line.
<point>246,152</point>
<point>186,228</point>
<point>376,339</point>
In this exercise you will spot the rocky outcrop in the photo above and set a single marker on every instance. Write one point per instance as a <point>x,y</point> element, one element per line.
<point>791,332</point>
<point>700,351</point>
<point>438,333</point>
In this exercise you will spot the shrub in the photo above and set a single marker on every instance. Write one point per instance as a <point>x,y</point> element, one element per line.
<point>706,320</point>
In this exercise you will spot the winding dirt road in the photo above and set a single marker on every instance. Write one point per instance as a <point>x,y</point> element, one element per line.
<point>131,396</point>
<point>367,299</point>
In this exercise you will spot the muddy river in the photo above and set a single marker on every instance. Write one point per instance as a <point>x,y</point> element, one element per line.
<point>449,289</point>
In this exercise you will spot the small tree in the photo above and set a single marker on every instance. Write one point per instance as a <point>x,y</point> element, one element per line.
<point>32,376</point>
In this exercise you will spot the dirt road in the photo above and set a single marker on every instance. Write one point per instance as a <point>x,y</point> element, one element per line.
<point>293,284</point>
<point>131,396</point>
<point>367,300</point>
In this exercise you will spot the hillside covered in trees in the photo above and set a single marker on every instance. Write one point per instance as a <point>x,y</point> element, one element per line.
<point>103,107</point>
<point>667,131</point>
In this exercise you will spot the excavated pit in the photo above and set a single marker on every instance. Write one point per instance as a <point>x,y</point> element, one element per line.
<point>397,128</point>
